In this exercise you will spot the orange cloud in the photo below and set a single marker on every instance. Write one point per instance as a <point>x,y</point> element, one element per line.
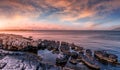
<point>76,16</point>
<point>17,13</point>
<point>59,3</point>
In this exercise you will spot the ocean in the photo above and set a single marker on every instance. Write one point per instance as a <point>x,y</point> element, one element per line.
<point>95,40</point>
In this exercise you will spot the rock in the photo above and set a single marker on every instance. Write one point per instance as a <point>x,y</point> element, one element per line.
<point>77,48</point>
<point>16,59</point>
<point>30,49</point>
<point>72,46</point>
<point>64,47</point>
<point>2,65</point>
<point>67,53</point>
<point>79,58</point>
<point>50,47</point>
<point>89,61</point>
<point>88,52</point>
<point>73,61</point>
<point>23,61</point>
<point>56,51</point>
<point>1,43</point>
<point>112,56</point>
<point>67,68</point>
<point>104,56</point>
<point>14,42</point>
<point>61,60</point>
<point>74,55</point>
<point>42,45</point>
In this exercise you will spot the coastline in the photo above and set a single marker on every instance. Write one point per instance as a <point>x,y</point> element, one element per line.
<point>18,43</point>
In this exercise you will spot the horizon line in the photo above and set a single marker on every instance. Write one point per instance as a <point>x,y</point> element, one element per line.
<point>50,30</point>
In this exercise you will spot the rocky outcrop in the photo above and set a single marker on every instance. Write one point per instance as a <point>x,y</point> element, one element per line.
<point>23,61</point>
<point>77,48</point>
<point>16,56</point>
<point>61,60</point>
<point>107,57</point>
<point>89,60</point>
<point>16,42</point>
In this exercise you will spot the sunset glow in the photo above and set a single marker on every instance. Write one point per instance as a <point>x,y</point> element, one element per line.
<point>60,14</point>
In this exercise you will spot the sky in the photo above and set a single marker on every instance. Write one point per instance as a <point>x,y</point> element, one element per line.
<point>60,14</point>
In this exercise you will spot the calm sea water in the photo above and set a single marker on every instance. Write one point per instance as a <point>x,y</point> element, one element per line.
<point>106,40</point>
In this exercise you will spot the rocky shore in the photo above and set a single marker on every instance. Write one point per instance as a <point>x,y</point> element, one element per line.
<point>10,60</point>
<point>20,53</point>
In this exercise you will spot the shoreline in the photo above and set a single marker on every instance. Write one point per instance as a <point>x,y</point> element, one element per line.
<point>65,51</point>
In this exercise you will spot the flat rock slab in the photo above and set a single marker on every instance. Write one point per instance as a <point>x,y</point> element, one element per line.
<point>23,61</point>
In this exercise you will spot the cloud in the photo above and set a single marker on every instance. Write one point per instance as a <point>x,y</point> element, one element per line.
<point>78,9</point>
<point>21,11</point>
<point>75,16</point>
<point>68,10</point>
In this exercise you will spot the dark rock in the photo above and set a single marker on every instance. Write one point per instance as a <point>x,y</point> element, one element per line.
<point>73,61</point>
<point>73,46</point>
<point>74,55</point>
<point>1,43</point>
<point>104,56</point>
<point>79,58</point>
<point>56,51</point>
<point>50,47</point>
<point>90,62</point>
<point>30,49</point>
<point>67,53</point>
<point>113,57</point>
<point>42,46</point>
<point>61,60</point>
<point>2,65</point>
<point>88,52</point>
<point>64,47</point>
<point>77,48</point>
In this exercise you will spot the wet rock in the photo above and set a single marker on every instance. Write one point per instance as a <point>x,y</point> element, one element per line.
<point>112,55</point>
<point>2,65</point>
<point>77,48</point>
<point>104,56</point>
<point>50,47</point>
<point>73,61</point>
<point>64,47</point>
<point>23,61</point>
<point>1,43</point>
<point>67,68</point>
<point>56,44</point>
<point>88,52</point>
<point>30,49</point>
<point>42,46</point>
<point>79,58</point>
<point>89,61</point>
<point>61,60</point>
<point>73,46</point>
<point>56,51</point>
<point>49,44</point>
<point>68,53</point>
<point>74,55</point>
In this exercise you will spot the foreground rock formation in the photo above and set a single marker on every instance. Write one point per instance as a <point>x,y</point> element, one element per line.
<point>16,53</point>
<point>16,42</point>
<point>22,61</point>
